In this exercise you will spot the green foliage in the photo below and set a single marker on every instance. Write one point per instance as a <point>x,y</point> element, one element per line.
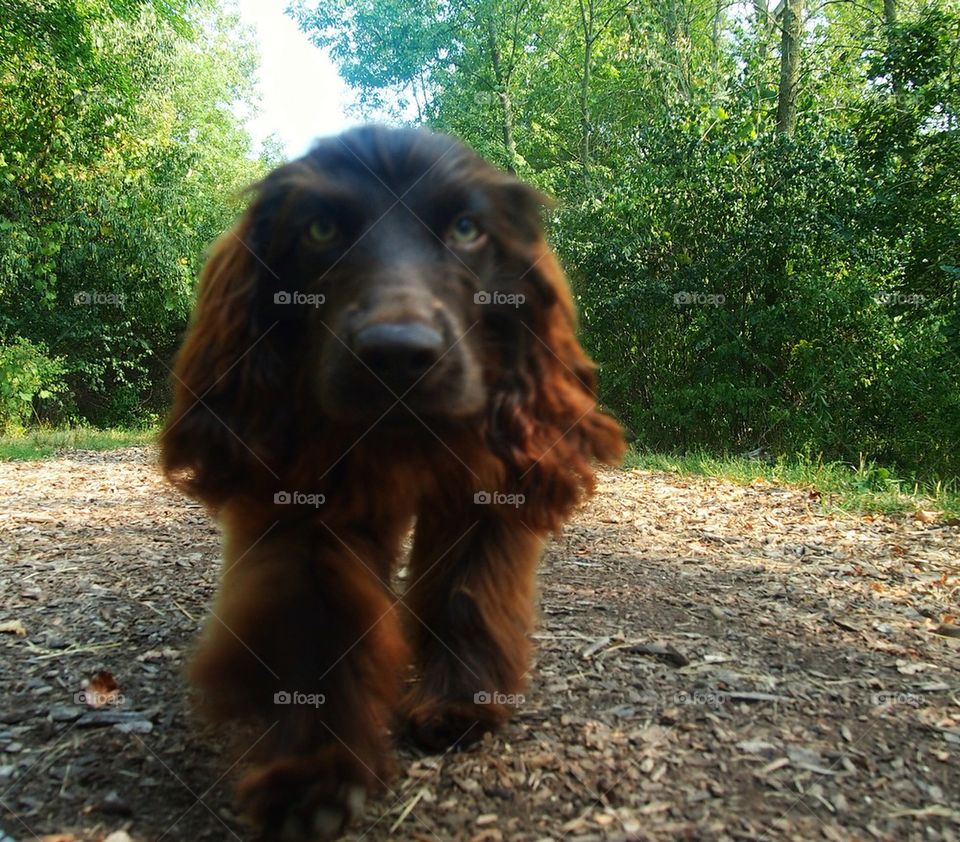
<point>40,442</point>
<point>29,378</point>
<point>122,158</point>
<point>859,488</point>
<point>751,302</point>
<point>740,287</point>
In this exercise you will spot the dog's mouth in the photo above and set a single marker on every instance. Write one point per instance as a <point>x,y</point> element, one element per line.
<point>451,389</point>
<point>381,406</point>
<point>403,417</point>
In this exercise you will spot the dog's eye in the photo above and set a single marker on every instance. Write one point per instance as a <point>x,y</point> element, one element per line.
<point>322,232</point>
<point>464,232</point>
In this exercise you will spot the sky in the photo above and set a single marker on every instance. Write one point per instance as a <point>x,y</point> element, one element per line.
<point>302,95</point>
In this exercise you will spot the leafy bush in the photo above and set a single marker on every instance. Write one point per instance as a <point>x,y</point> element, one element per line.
<point>738,295</point>
<point>29,378</point>
<point>120,163</point>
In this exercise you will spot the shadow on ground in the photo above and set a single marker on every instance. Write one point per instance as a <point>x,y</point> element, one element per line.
<point>713,662</point>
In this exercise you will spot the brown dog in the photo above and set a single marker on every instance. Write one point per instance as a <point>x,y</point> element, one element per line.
<point>384,336</point>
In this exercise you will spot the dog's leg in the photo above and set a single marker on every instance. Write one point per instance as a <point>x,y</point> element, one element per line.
<point>304,643</point>
<point>470,604</point>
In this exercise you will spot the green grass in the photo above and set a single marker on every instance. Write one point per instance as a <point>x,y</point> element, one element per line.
<point>43,442</point>
<point>865,488</point>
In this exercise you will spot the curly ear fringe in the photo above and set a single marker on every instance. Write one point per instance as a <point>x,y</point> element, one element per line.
<point>203,447</point>
<point>551,429</point>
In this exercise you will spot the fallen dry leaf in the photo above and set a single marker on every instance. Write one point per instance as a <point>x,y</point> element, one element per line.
<point>100,690</point>
<point>13,627</point>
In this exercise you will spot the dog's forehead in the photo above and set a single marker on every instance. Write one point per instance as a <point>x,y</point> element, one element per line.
<point>398,180</point>
<point>403,163</point>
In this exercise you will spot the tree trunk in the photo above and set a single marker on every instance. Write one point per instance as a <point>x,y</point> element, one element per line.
<point>890,18</point>
<point>890,11</point>
<point>587,10</point>
<point>509,143</point>
<point>792,27</point>
<point>585,106</point>
<point>502,82</point>
<point>760,15</point>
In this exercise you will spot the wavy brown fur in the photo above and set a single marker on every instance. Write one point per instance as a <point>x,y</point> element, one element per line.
<point>270,399</point>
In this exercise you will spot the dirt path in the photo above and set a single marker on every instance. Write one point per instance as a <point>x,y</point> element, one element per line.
<point>714,662</point>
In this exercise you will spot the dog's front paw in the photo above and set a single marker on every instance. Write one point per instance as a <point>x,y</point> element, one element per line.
<point>438,724</point>
<point>307,799</point>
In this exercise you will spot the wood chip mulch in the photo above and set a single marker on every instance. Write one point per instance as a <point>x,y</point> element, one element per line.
<point>714,662</point>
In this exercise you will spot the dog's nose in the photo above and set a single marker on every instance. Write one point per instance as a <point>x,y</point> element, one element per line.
<point>399,354</point>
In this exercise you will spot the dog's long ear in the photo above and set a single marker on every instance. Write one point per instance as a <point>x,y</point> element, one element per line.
<point>222,378</point>
<point>547,424</point>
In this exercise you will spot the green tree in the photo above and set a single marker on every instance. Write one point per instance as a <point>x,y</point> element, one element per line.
<point>759,207</point>
<point>122,159</point>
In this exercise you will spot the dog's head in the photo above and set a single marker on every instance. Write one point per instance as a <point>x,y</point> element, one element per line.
<point>389,276</point>
<point>394,257</point>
